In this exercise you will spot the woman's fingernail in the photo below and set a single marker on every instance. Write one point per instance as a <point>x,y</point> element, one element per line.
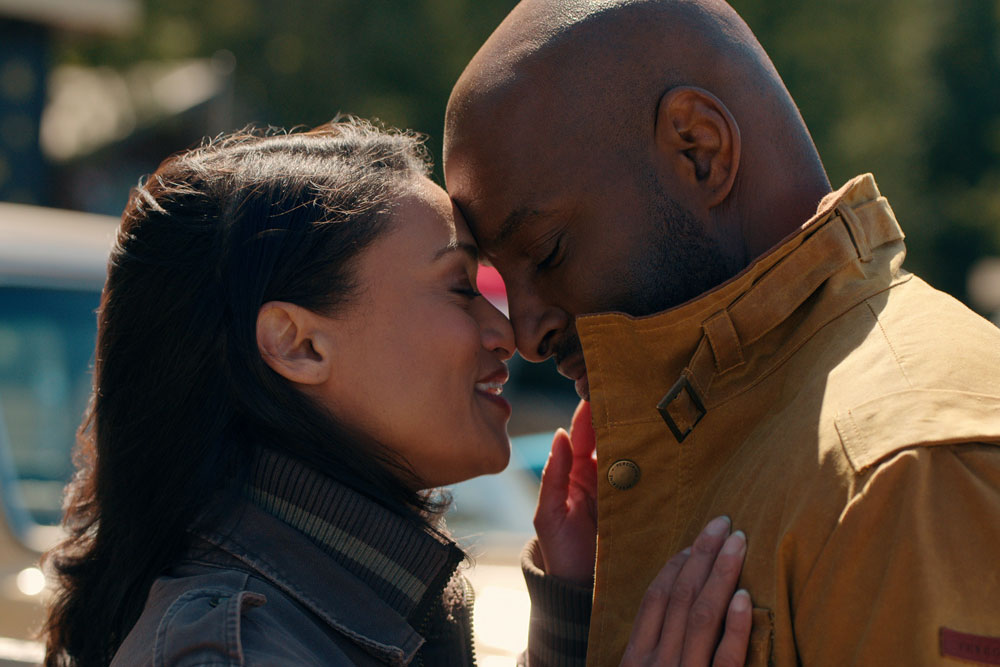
<point>687,552</point>
<point>741,601</point>
<point>718,526</point>
<point>735,543</point>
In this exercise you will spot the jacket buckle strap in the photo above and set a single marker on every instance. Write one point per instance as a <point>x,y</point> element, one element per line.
<point>724,340</point>
<point>681,404</point>
<point>857,231</point>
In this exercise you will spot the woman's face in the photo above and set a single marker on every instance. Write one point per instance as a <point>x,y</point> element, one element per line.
<point>418,357</point>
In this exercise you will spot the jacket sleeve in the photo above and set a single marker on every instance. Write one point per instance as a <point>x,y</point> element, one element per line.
<point>560,616</point>
<point>912,561</point>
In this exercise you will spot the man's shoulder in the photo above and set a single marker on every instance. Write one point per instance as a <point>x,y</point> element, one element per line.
<point>934,339</point>
<point>927,373</point>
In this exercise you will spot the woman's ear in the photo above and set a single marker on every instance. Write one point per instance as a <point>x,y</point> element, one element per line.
<point>701,139</point>
<point>291,343</point>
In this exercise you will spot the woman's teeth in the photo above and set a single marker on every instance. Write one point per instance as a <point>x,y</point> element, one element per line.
<point>495,388</point>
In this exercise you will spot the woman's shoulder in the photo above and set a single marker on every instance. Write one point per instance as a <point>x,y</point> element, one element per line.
<point>210,615</point>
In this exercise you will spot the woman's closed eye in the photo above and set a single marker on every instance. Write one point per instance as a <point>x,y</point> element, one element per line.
<point>467,290</point>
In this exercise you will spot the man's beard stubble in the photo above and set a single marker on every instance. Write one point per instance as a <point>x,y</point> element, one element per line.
<point>680,263</point>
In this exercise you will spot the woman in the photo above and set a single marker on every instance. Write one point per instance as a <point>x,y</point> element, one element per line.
<point>291,353</point>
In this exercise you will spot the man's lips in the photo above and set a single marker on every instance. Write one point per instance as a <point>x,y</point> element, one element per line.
<point>574,369</point>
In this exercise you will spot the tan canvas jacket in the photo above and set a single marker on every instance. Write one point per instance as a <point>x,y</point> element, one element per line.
<point>844,414</point>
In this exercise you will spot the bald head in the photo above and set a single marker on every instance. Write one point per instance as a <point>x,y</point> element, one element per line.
<point>664,119</point>
<point>594,71</point>
<point>634,48</point>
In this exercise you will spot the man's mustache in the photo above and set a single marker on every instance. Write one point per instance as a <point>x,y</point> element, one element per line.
<point>566,347</point>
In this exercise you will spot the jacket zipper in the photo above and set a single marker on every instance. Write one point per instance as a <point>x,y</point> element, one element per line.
<point>469,594</point>
<point>470,603</point>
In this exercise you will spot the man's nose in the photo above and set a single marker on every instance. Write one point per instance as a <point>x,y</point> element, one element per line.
<point>537,325</point>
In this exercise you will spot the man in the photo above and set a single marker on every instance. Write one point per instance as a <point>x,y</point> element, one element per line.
<point>748,340</point>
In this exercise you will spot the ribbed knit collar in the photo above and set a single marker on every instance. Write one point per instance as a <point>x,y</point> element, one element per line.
<point>404,564</point>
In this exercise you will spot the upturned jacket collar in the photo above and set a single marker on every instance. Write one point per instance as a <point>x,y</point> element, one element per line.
<point>678,365</point>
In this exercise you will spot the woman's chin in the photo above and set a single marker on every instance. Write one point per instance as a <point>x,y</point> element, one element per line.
<point>502,461</point>
<point>496,463</point>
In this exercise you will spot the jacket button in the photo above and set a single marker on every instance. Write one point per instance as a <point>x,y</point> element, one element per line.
<point>624,474</point>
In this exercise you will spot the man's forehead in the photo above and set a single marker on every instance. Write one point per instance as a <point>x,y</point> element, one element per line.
<point>486,188</point>
<point>496,122</point>
<point>509,160</point>
<point>497,230</point>
<point>505,196</point>
<point>483,219</point>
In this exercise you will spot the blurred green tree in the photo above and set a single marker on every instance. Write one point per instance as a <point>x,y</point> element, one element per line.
<point>301,63</point>
<point>909,90</point>
<point>962,136</point>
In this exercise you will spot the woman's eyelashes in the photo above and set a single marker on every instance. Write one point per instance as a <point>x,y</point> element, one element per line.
<point>467,289</point>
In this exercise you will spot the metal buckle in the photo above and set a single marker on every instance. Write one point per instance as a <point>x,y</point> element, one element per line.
<point>682,384</point>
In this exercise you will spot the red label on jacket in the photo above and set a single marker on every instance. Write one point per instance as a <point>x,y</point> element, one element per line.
<point>970,647</point>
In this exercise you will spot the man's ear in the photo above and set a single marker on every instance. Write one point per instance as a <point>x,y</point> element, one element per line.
<point>702,140</point>
<point>292,344</point>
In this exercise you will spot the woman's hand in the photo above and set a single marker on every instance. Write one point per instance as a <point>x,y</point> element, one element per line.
<point>688,605</point>
<point>566,518</point>
<point>691,602</point>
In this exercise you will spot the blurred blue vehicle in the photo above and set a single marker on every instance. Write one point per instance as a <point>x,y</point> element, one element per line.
<point>52,266</point>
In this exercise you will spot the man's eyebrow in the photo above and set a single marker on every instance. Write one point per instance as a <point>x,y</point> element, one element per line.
<point>513,223</point>
<point>458,246</point>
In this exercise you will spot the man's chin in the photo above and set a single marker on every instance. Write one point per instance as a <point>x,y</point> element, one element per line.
<point>583,387</point>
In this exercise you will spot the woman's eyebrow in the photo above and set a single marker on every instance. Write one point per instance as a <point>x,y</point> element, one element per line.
<point>469,249</point>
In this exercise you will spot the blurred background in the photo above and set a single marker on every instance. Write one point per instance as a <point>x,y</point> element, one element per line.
<point>94,93</point>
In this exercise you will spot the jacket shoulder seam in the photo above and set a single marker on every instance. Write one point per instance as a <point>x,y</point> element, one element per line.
<point>888,342</point>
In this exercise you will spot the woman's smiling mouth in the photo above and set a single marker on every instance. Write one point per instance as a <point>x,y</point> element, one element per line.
<point>491,388</point>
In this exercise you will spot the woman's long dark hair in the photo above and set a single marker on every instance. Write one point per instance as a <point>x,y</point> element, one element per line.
<point>180,390</point>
